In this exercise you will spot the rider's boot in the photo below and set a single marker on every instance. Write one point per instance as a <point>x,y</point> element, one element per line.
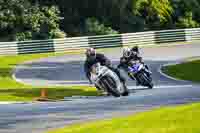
<point>137,81</point>
<point>125,87</point>
<point>122,79</point>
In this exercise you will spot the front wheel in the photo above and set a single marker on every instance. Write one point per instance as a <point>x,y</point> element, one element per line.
<point>149,81</point>
<point>145,80</point>
<point>110,86</point>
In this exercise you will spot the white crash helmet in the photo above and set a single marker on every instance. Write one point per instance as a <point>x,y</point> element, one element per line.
<point>90,52</point>
<point>126,52</point>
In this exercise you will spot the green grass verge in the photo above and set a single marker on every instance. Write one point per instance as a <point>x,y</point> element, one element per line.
<point>186,71</point>
<point>180,119</point>
<point>10,90</point>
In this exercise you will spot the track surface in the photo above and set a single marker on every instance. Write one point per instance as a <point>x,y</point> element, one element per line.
<point>67,70</point>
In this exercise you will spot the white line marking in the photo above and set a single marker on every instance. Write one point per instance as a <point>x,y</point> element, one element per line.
<point>160,86</point>
<point>13,102</point>
<point>56,107</point>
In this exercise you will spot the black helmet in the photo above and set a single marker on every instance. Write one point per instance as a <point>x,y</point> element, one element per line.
<point>135,49</point>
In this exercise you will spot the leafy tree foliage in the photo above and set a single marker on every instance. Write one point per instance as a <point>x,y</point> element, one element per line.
<point>94,27</point>
<point>155,13</point>
<point>187,21</point>
<point>25,21</point>
<point>40,19</point>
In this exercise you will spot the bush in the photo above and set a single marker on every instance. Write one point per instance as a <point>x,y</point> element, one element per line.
<point>43,22</point>
<point>57,34</point>
<point>26,21</point>
<point>94,27</point>
<point>22,36</point>
<point>187,21</point>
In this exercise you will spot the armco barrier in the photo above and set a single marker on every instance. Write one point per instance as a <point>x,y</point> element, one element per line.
<point>138,38</point>
<point>105,41</point>
<point>8,48</point>
<point>29,47</point>
<point>61,45</point>
<point>192,34</point>
<point>118,40</point>
<point>168,36</point>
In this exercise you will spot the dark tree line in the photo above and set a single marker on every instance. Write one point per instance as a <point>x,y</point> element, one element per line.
<point>41,19</point>
<point>130,15</point>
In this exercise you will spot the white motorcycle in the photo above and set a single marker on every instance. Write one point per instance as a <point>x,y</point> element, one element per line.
<point>107,80</point>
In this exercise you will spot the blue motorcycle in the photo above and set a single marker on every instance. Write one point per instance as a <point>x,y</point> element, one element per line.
<point>139,72</point>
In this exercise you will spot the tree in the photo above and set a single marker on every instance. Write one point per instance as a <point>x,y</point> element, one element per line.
<point>187,21</point>
<point>155,13</point>
<point>43,22</point>
<point>182,7</point>
<point>25,21</point>
<point>94,27</point>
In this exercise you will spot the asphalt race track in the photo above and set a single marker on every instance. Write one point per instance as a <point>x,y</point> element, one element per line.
<point>68,70</point>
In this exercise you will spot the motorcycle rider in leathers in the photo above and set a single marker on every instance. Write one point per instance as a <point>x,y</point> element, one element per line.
<point>131,54</point>
<point>92,58</point>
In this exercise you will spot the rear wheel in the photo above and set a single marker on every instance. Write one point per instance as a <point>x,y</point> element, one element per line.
<point>149,82</point>
<point>111,86</point>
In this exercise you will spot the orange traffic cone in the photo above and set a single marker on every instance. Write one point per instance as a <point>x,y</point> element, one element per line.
<point>43,93</point>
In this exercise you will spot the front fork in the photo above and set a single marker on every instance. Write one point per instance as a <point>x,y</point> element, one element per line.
<point>131,76</point>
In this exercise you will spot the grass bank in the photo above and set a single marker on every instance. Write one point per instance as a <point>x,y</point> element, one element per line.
<point>180,119</point>
<point>186,71</point>
<point>10,90</point>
